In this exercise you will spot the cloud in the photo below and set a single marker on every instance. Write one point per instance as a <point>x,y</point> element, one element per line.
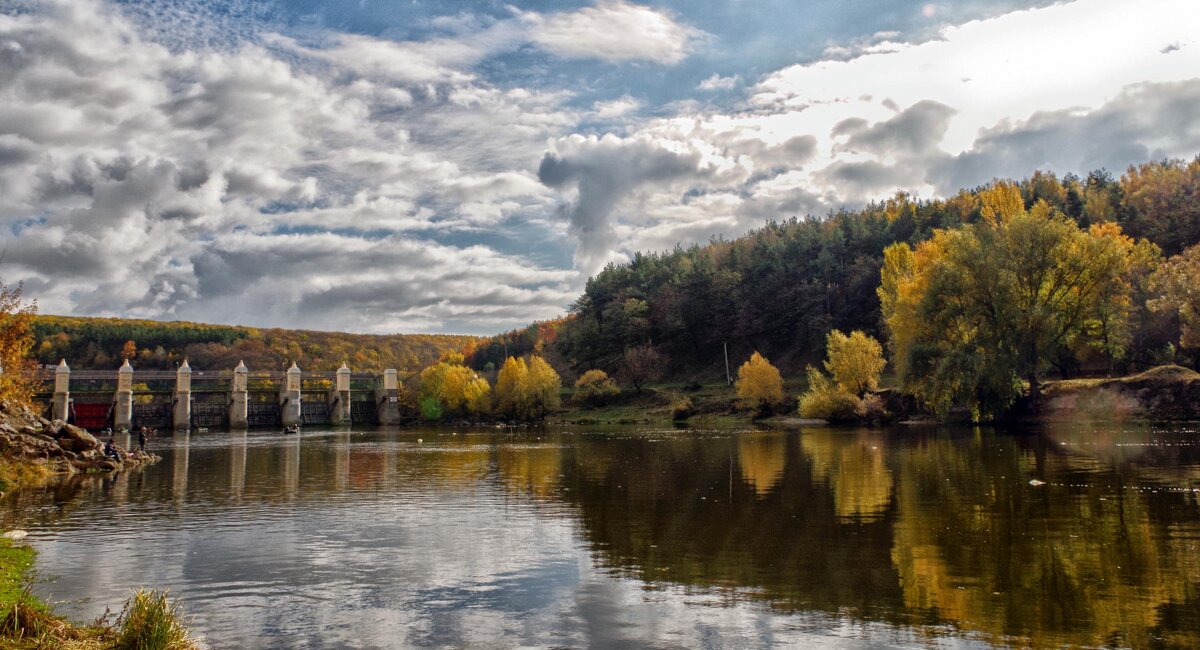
<point>717,82</point>
<point>163,166</point>
<point>615,30</point>
<point>618,107</point>
<point>915,130</point>
<point>223,184</point>
<point>1145,122</point>
<point>604,171</point>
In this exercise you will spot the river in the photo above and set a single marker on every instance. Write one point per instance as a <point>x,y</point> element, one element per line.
<point>576,537</point>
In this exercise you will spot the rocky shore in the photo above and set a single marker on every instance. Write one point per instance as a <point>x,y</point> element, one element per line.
<point>56,448</point>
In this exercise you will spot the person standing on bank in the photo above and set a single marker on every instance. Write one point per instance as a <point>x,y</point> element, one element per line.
<point>142,439</point>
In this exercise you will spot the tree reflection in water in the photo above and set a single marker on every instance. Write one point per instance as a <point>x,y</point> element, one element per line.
<point>914,528</point>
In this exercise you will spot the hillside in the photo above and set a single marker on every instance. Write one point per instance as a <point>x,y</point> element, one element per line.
<point>781,288</point>
<point>101,343</point>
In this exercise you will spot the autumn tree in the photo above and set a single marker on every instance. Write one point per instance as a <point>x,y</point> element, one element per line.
<point>541,389</point>
<point>129,350</point>
<point>509,400</point>
<point>1177,284</point>
<point>641,364</point>
<point>454,387</point>
<point>855,361</point>
<point>18,370</point>
<point>527,390</point>
<point>478,394</point>
<point>759,384</point>
<point>975,310</point>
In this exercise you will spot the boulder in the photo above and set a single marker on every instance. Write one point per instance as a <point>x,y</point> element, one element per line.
<point>75,438</point>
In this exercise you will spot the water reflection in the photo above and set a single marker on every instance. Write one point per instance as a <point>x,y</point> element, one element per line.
<point>435,538</point>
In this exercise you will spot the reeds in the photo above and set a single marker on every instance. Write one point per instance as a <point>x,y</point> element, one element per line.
<point>150,621</point>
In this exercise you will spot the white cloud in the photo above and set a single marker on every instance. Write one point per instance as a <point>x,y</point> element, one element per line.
<point>615,30</point>
<point>607,110</point>
<point>206,184</point>
<point>717,82</point>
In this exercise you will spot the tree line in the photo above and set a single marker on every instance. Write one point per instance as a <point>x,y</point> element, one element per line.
<point>782,288</point>
<point>103,343</point>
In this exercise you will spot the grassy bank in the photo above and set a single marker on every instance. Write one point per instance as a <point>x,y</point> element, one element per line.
<point>149,621</point>
<point>713,404</point>
<point>19,473</point>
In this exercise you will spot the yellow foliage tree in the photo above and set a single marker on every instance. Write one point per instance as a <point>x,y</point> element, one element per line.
<point>527,391</point>
<point>541,388</point>
<point>447,383</point>
<point>18,371</point>
<point>478,396</point>
<point>508,387</point>
<point>975,310</point>
<point>854,361</point>
<point>759,384</point>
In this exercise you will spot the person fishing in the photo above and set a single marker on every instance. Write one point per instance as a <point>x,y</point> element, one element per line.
<point>110,449</point>
<point>142,439</point>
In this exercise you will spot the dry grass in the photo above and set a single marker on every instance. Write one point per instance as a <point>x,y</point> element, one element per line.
<point>150,621</point>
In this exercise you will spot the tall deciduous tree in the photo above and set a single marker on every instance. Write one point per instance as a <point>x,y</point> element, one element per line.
<point>1177,283</point>
<point>854,361</point>
<point>541,388</point>
<point>974,310</point>
<point>641,364</point>
<point>509,399</point>
<point>17,368</point>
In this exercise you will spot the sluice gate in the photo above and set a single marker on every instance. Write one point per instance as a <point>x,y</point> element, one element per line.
<point>238,398</point>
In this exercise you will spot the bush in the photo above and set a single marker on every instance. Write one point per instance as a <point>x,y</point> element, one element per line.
<point>825,400</point>
<point>595,387</point>
<point>431,409</point>
<point>682,408</point>
<point>152,622</point>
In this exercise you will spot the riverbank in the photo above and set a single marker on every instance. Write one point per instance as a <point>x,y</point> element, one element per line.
<point>148,621</point>
<point>34,449</point>
<point>1165,393</point>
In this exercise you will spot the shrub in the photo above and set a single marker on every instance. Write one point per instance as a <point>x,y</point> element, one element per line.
<point>682,408</point>
<point>152,622</point>
<point>595,387</point>
<point>431,409</point>
<point>825,400</point>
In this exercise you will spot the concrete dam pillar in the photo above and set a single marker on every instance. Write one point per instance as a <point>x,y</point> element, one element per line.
<point>339,398</point>
<point>239,398</point>
<point>123,416</point>
<point>387,398</point>
<point>62,392</point>
<point>181,418</point>
<point>289,398</point>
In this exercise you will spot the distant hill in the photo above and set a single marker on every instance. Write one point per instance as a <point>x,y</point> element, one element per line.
<point>101,343</point>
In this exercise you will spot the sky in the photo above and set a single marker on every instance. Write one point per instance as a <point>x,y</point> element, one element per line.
<point>464,167</point>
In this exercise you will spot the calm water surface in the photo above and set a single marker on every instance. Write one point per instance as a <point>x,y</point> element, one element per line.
<point>641,538</point>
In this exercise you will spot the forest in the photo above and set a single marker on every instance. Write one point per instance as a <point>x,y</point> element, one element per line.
<point>782,288</point>
<point>102,343</point>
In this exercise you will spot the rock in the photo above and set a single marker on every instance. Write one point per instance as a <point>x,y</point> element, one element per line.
<point>75,439</point>
<point>15,534</point>
<point>109,465</point>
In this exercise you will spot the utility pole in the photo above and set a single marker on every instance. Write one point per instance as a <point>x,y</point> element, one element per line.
<point>728,379</point>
